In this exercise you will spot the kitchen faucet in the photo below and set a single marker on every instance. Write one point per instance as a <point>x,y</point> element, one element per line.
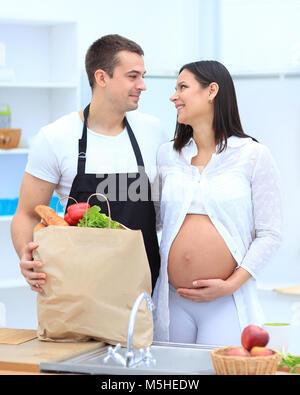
<point>145,354</point>
<point>132,319</point>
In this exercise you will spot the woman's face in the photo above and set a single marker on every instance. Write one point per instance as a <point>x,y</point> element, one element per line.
<point>191,99</point>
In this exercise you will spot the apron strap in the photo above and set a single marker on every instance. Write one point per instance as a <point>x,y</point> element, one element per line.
<point>135,146</point>
<point>82,144</point>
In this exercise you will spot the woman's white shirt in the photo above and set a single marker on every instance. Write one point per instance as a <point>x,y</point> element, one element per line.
<point>241,194</point>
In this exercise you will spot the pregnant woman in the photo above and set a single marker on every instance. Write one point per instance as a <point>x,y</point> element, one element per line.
<point>220,212</point>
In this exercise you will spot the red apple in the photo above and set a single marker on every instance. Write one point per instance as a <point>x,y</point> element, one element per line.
<point>238,352</point>
<point>260,352</point>
<point>254,335</point>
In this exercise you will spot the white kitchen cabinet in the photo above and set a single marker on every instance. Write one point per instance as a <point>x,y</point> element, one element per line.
<point>46,85</point>
<point>43,56</point>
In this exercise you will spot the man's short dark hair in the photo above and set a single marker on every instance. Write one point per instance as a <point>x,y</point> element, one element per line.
<point>103,54</point>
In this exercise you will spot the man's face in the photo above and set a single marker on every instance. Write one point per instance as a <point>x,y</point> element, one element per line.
<point>123,90</point>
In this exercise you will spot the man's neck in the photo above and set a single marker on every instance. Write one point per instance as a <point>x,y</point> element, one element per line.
<point>104,120</point>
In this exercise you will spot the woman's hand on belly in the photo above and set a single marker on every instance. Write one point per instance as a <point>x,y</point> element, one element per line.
<point>211,289</point>
<point>206,290</point>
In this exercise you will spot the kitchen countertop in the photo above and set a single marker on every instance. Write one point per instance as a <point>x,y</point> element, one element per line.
<point>27,356</point>
<point>24,359</point>
<point>19,373</point>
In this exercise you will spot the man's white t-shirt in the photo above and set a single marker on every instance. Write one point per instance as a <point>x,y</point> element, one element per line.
<point>53,155</point>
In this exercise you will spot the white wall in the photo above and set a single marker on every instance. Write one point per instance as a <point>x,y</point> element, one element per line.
<point>270,111</point>
<point>263,36</point>
<point>169,31</point>
<point>161,27</point>
<point>260,34</point>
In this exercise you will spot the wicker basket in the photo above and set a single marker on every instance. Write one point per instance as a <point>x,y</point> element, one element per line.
<point>229,365</point>
<point>9,138</point>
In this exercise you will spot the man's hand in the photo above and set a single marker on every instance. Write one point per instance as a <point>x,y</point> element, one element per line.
<point>33,192</point>
<point>27,265</point>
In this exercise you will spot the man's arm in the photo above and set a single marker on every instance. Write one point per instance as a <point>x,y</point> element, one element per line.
<point>33,192</point>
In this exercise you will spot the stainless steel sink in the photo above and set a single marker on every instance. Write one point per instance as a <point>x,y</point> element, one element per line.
<point>171,359</point>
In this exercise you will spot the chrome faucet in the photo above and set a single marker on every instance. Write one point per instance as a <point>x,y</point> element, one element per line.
<point>145,354</point>
<point>131,325</point>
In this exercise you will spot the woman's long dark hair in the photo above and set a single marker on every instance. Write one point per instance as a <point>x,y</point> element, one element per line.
<point>226,120</point>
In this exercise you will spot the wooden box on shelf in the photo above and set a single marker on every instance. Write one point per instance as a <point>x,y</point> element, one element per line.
<point>10,138</point>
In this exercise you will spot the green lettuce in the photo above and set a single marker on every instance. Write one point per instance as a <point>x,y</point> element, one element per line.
<point>94,219</point>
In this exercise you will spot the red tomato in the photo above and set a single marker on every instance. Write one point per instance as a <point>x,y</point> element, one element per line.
<point>77,210</point>
<point>68,219</point>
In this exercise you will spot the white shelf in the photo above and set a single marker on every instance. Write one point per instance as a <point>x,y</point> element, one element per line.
<point>48,77</point>
<point>39,85</point>
<point>263,286</point>
<point>14,151</point>
<point>266,74</point>
<point>37,22</point>
<point>242,75</point>
<point>161,76</point>
<point>44,58</point>
<point>13,283</point>
<point>6,218</point>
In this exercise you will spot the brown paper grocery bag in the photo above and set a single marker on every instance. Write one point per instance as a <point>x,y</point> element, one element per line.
<point>93,279</point>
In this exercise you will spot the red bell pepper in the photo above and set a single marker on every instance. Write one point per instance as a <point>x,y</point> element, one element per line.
<point>76,211</point>
<point>67,218</point>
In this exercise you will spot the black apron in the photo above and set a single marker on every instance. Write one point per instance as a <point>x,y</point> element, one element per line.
<point>136,212</point>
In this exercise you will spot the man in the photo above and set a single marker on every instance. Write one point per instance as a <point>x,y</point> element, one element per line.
<point>100,149</point>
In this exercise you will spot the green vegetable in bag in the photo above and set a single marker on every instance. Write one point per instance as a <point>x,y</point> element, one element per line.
<point>94,219</point>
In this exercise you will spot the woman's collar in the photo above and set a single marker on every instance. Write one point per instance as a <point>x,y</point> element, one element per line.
<point>232,141</point>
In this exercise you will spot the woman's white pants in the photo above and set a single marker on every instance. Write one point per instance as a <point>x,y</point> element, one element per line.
<point>213,323</point>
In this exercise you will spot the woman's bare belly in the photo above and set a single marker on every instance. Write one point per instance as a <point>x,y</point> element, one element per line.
<point>198,252</point>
